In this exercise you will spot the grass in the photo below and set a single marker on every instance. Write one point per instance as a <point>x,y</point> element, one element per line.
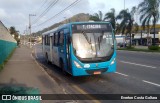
<point>139,50</point>
<point>6,60</point>
<point>1,66</point>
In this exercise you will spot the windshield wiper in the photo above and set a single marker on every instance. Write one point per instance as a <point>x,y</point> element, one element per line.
<point>88,40</point>
<point>84,34</point>
<point>100,40</point>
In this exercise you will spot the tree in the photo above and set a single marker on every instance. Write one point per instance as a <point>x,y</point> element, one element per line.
<point>127,21</point>
<point>136,27</point>
<point>149,9</point>
<point>117,26</point>
<point>14,32</point>
<point>111,17</point>
<point>97,16</point>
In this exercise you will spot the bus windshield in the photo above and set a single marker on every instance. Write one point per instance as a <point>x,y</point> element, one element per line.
<point>93,45</point>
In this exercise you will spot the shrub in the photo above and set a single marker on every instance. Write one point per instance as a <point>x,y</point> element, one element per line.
<point>153,47</point>
<point>1,66</point>
<point>130,47</point>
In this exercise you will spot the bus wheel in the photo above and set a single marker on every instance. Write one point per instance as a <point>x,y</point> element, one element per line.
<point>62,67</point>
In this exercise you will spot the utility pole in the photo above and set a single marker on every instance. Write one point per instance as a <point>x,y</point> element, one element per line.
<point>26,29</point>
<point>124,5</point>
<point>30,31</point>
<point>24,37</point>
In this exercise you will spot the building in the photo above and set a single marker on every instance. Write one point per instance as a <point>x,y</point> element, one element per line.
<point>145,38</point>
<point>5,35</point>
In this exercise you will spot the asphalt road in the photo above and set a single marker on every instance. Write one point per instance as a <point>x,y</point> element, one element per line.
<point>137,73</point>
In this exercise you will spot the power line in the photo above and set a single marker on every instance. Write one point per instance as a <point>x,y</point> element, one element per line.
<point>68,7</point>
<point>45,1</point>
<point>45,11</point>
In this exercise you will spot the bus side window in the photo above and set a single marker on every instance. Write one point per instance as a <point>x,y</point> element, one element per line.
<point>48,40</point>
<point>61,38</point>
<point>45,39</point>
<point>42,40</point>
<point>53,39</point>
<point>56,39</point>
<point>58,36</point>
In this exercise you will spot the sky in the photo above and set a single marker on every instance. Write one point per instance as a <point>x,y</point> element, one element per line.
<point>16,12</point>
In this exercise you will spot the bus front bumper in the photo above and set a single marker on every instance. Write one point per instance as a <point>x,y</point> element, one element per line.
<point>93,71</point>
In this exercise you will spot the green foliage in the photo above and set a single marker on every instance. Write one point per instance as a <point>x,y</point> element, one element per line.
<point>97,16</point>
<point>111,17</point>
<point>14,32</point>
<point>149,9</point>
<point>94,18</point>
<point>153,47</point>
<point>136,28</point>
<point>129,47</point>
<point>127,21</point>
<point>6,59</point>
<point>1,66</point>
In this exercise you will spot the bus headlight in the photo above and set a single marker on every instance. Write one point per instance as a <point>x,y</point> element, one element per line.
<point>113,61</point>
<point>77,64</point>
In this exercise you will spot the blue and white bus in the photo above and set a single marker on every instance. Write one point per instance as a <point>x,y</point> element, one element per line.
<point>81,48</point>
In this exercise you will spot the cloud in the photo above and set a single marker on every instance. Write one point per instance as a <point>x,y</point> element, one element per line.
<point>16,12</point>
<point>3,13</point>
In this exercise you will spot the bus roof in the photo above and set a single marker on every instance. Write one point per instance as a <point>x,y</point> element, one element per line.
<point>68,24</point>
<point>47,32</point>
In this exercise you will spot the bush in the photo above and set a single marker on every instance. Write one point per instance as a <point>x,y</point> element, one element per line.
<point>130,47</point>
<point>1,66</point>
<point>153,47</point>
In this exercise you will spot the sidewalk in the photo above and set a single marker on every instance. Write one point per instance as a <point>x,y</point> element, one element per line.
<point>22,70</point>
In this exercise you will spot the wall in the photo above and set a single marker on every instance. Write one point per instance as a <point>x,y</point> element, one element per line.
<point>7,43</point>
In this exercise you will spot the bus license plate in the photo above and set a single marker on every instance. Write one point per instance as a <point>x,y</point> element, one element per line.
<point>97,72</point>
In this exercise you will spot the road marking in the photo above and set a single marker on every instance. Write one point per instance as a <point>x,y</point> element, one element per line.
<point>122,74</point>
<point>139,52</point>
<point>83,92</point>
<point>138,64</point>
<point>151,83</point>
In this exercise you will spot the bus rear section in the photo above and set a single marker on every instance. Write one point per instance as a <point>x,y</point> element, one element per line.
<point>93,48</point>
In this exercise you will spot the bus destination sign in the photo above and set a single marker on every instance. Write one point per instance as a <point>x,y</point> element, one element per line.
<point>90,27</point>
